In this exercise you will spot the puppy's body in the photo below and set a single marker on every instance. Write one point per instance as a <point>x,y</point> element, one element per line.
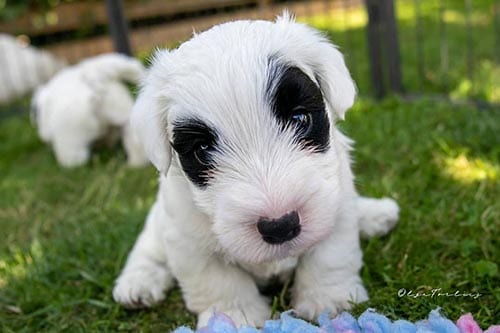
<point>258,183</point>
<point>82,103</point>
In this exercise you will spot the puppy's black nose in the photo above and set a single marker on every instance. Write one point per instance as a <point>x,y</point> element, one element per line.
<point>280,230</point>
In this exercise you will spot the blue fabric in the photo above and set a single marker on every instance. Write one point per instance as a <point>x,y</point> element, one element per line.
<point>436,324</point>
<point>345,322</point>
<point>372,322</point>
<point>183,329</point>
<point>403,326</point>
<point>369,322</point>
<point>290,324</point>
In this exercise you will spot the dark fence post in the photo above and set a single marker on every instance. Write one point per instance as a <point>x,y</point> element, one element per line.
<point>392,46</point>
<point>118,26</point>
<point>419,45</point>
<point>382,31</point>
<point>443,41</point>
<point>374,50</point>
<point>496,30</point>
<point>469,46</point>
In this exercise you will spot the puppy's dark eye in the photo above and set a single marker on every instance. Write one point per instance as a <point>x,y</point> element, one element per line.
<point>297,103</point>
<point>195,143</point>
<point>202,153</point>
<point>302,121</point>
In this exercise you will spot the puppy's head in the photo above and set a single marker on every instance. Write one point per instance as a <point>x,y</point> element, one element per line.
<point>247,110</point>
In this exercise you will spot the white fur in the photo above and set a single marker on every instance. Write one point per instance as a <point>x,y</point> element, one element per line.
<point>23,67</point>
<point>82,104</point>
<point>207,238</point>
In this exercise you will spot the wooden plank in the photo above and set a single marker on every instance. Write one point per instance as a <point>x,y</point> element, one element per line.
<point>74,51</point>
<point>153,8</point>
<point>72,16</point>
<point>144,39</point>
<point>68,16</point>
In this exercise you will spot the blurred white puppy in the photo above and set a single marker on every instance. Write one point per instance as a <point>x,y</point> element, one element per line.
<point>88,102</point>
<point>255,176</point>
<point>23,67</point>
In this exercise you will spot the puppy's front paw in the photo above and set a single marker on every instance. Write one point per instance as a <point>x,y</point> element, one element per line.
<point>142,287</point>
<point>70,157</point>
<point>248,314</point>
<point>309,304</point>
<point>377,216</point>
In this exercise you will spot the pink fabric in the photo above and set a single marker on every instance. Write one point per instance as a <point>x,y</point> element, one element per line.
<point>467,324</point>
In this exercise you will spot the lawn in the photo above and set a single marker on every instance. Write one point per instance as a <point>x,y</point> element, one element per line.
<point>64,234</point>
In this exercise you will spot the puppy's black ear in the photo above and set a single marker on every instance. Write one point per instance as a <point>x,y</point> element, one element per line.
<point>312,51</point>
<point>149,115</point>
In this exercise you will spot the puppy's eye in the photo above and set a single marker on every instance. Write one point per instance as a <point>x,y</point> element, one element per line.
<point>202,153</point>
<point>301,120</point>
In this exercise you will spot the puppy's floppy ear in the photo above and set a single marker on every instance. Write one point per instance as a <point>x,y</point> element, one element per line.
<point>149,115</point>
<point>324,59</point>
<point>334,79</point>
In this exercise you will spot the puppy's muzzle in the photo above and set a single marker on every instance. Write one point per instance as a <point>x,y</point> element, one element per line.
<point>280,230</point>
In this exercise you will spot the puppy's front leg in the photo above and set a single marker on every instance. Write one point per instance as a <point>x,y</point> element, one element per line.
<point>210,284</point>
<point>327,278</point>
<point>146,276</point>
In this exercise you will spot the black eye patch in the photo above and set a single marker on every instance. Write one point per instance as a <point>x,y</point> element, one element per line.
<point>298,102</point>
<point>195,141</point>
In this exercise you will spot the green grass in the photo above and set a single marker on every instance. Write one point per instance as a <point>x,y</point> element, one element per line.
<point>64,234</point>
<point>64,237</point>
<point>347,29</point>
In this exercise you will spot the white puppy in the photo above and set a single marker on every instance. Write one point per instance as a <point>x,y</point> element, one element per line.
<point>255,177</point>
<point>23,67</point>
<point>85,103</point>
